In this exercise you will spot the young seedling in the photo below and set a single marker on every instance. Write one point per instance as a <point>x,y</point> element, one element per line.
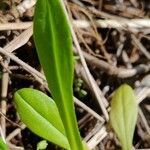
<point>54,47</point>
<point>123,115</point>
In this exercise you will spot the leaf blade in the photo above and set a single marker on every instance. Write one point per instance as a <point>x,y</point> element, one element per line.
<point>3,145</point>
<point>55,54</point>
<point>123,115</point>
<point>39,117</point>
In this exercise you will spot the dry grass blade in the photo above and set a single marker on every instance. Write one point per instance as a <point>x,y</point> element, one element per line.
<point>15,26</point>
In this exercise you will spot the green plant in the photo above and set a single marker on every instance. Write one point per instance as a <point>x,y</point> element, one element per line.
<point>42,145</point>
<point>54,47</point>
<point>39,112</point>
<point>78,83</point>
<point>123,115</point>
<point>3,145</point>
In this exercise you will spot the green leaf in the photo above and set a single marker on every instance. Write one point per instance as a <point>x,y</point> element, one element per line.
<point>39,113</point>
<point>3,145</point>
<point>42,145</point>
<point>123,115</point>
<point>54,46</point>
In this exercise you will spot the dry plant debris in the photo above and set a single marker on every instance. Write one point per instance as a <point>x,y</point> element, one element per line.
<point>112,46</point>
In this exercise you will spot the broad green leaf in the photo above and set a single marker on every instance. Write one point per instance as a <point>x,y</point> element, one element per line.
<point>39,113</point>
<point>123,115</point>
<point>54,46</point>
<point>3,145</point>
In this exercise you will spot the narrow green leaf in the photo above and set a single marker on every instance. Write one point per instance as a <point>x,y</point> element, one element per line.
<point>39,112</point>
<point>54,46</point>
<point>3,145</point>
<point>123,115</point>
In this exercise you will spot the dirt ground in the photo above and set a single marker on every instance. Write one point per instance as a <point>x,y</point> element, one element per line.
<point>114,38</point>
